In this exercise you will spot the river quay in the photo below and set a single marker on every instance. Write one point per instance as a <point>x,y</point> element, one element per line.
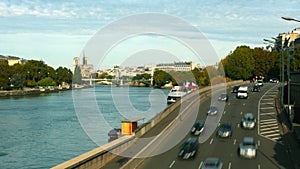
<point>30,91</point>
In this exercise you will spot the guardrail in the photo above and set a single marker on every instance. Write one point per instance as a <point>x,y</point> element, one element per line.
<point>100,156</point>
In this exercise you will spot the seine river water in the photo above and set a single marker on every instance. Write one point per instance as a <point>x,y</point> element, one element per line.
<point>43,131</point>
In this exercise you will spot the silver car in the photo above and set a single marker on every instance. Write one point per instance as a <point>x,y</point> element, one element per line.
<point>248,121</point>
<point>247,148</point>
<point>213,110</point>
<point>212,163</point>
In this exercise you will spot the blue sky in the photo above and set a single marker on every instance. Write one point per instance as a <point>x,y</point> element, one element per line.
<point>55,31</point>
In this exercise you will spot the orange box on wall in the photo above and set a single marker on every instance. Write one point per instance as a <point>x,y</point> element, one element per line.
<point>128,127</point>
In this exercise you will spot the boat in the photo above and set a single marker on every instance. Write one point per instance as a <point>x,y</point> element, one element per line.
<point>176,93</point>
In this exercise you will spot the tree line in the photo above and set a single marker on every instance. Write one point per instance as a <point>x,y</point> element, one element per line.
<point>32,74</point>
<point>244,63</point>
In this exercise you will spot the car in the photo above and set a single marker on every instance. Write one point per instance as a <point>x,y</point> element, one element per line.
<point>235,89</point>
<point>260,83</point>
<point>223,97</point>
<point>224,130</point>
<point>248,148</point>
<point>274,80</point>
<point>248,121</point>
<point>212,163</point>
<point>189,148</point>
<point>197,128</point>
<point>255,88</point>
<point>242,92</point>
<point>213,110</point>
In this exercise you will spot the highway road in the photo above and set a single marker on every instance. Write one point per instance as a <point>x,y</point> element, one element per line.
<point>162,152</point>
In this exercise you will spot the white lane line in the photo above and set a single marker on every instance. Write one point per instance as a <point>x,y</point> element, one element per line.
<point>228,104</point>
<point>271,135</point>
<point>267,99</point>
<point>200,165</point>
<point>269,122</point>
<point>244,104</point>
<point>258,167</point>
<point>263,108</point>
<point>241,112</point>
<point>224,112</point>
<point>171,165</point>
<point>268,132</point>
<point>270,103</point>
<point>262,114</point>
<point>234,142</point>
<point>269,128</point>
<point>229,165</point>
<point>268,125</point>
<point>265,120</point>
<point>258,143</point>
<point>211,141</point>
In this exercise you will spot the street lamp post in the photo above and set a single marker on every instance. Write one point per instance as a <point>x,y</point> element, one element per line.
<point>281,65</point>
<point>288,68</point>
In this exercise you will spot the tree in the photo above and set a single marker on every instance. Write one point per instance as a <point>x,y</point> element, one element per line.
<point>4,74</point>
<point>48,81</point>
<point>240,64</point>
<point>77,77</point>
<point>160,78</point>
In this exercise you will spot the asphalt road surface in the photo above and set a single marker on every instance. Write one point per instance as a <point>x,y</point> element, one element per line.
<point>162,151</point>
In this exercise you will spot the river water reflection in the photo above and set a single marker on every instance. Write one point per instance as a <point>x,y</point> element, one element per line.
<point>43,131</point>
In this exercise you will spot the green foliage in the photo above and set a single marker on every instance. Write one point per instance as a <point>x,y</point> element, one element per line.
<point>31,74</point>
<point>295,61</point>
<point>105,75</point>
<point>48,81</point>
<point>160,78</point>
<point>144,76</point>
<point>240,64</point>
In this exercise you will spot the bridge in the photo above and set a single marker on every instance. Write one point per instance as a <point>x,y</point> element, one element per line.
<point>175,122</point>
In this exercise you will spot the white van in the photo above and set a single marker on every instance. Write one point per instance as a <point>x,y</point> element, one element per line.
<point>242,92</point>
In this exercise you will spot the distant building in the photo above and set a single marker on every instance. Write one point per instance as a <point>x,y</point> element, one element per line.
<point>176,66</point>
<point>87,70</point>
<point>12,60</point>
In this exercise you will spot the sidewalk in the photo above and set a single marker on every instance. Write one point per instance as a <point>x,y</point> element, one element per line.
<point>291,135</point>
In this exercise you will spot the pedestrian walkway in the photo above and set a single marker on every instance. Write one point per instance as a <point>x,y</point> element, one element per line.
<point>268,125</point>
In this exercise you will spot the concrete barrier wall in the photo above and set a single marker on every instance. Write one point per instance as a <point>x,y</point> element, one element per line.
<point>100,156</point>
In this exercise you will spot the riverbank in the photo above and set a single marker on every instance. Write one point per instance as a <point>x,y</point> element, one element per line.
<point>30,91</point>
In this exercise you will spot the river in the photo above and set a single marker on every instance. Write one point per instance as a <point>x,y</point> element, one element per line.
<point>43,131</point>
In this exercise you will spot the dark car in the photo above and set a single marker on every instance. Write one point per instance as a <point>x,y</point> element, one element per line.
<point>213,110</point>
<point>255,88</point>
<point>212,163</point>
<point>189,148</point>
<point>235,89</point>
<point>223,97</point>
<point>197,128</point>
<point>224,131</point>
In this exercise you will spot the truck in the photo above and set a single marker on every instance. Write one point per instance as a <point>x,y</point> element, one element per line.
<point>242,92</point>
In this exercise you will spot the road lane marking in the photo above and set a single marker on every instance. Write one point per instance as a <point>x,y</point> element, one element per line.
<point>269,128</point>
<point>275,134</point>
<point>200,165</point>
<point>265,120</point>
<point>269,132</point>
<point>229,165</point>
<point>244,104</point>
<point>267,99</point>
<point>211,141</point>
<point>171,165</point>
<point>258,143</point>
<point>263,114</point>
<point>224,112</point>
<point>263,108</point>
<point>268,125</point>
<point>241,112</point>
<point>270,103</point>
<point>258,166</point>
<point>234,142</point>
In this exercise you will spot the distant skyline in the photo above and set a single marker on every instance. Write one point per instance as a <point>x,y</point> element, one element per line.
<point>57,31</point>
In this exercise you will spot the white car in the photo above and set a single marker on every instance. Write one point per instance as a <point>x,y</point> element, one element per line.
<point>248,148</point>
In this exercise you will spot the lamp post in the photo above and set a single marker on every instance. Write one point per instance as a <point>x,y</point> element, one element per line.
<point>288,68</point>
<point>281,65</point>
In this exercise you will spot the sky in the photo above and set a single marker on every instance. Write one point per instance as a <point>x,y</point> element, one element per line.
<point>120,32</point>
